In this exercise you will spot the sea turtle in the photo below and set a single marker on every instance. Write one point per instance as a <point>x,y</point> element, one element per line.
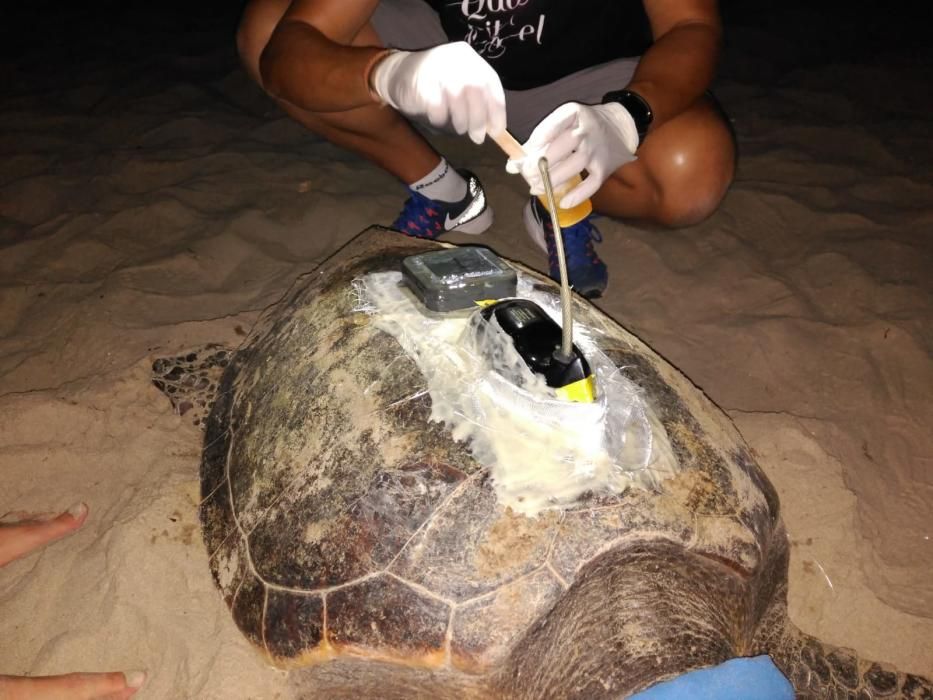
<point>349,533</point>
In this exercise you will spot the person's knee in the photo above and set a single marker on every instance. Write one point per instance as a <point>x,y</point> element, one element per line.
<point>696,198</point>
<point>246,48</point>
<point>695,168</point>
<point>259,20</point>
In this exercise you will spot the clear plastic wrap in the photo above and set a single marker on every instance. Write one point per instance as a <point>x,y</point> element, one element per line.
<point>542,451</point>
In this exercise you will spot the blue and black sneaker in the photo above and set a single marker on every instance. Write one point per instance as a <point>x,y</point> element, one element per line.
<point>429,218</point>
<point>587,273</point>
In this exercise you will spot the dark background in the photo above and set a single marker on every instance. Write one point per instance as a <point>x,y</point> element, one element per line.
<point>39,36</point>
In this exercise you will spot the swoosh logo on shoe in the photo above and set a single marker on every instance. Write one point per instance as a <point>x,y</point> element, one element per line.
<point>473,209</point>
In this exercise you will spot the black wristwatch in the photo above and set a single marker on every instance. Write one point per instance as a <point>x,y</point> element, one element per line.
<point>636,106</point>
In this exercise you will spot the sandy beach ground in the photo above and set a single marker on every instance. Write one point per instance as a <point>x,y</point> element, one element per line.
<point>151,200</point>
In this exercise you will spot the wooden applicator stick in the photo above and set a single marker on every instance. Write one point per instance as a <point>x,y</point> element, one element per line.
<point>568,217</point>
<point>510,146</point>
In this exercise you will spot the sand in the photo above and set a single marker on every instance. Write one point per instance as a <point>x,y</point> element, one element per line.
<point>151,199</point>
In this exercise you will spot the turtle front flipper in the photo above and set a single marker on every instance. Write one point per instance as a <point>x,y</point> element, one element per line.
<point>818,670</point>
<point>190,380</point>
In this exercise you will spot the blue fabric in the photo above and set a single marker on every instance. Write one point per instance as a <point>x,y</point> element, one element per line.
<point>587,273</point>
<point>421,217</point>
<point>737,679</point>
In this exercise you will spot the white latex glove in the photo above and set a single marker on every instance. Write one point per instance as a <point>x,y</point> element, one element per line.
<point>576,137</point>
<point>449,83</point>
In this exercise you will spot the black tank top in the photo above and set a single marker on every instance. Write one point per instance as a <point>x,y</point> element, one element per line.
<point>535,42</point>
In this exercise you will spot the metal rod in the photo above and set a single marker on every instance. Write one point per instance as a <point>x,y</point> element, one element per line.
<point>566,339</point>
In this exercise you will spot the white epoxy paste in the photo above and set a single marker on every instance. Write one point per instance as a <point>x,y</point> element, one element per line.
<point>542,452</point>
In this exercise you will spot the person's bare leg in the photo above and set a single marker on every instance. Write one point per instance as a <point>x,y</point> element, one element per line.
<point>375,132</point>
<point>73,686</point>
<point>682,173</point>
<point>19,537</point>
<point>24,532</point>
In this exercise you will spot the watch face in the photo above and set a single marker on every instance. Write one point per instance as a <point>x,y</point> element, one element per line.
<point>636,106</point>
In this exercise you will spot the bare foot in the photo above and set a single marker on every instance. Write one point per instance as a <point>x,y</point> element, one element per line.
<point>21,534</point>
<point>28,532</point>
<point>73,686</point>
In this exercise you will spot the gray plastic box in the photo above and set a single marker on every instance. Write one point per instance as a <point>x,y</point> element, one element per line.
<point>457,278</point>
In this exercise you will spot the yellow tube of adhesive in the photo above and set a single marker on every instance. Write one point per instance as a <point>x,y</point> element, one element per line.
<point>566,217</point>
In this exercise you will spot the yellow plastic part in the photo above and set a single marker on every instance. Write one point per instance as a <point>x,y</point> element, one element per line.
<point>568,217</point>
<point>582,391</point>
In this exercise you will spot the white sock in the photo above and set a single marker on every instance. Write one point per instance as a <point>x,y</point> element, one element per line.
<point>443,183</point>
